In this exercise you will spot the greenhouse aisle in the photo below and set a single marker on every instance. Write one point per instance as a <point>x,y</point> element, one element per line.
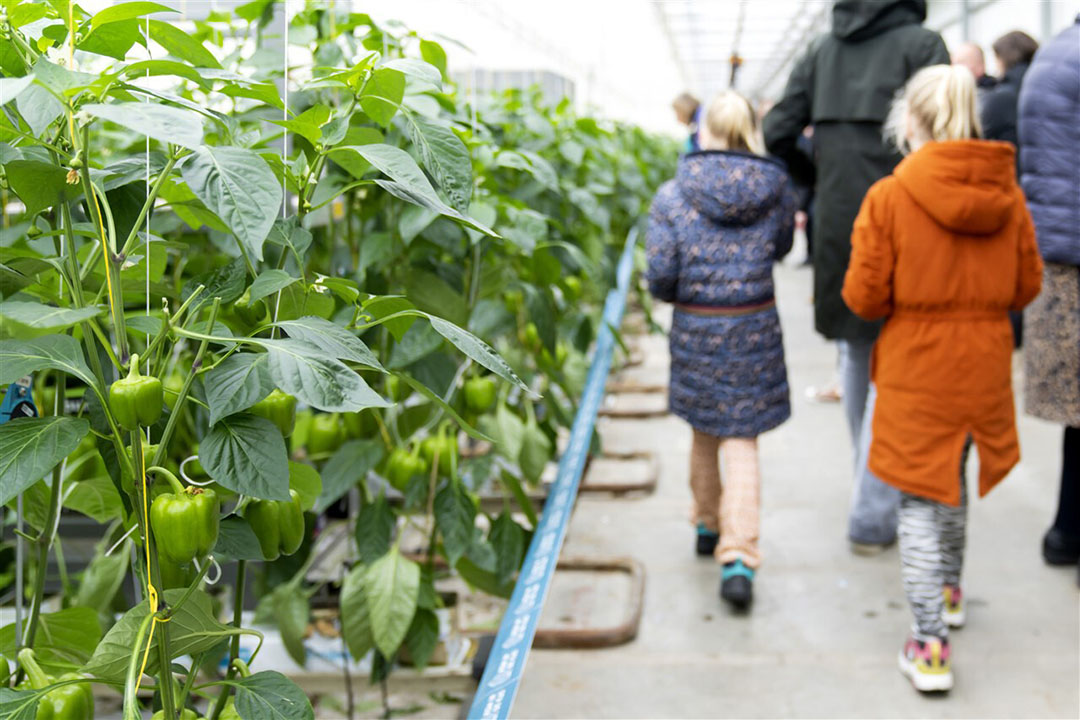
<point>826,626</point>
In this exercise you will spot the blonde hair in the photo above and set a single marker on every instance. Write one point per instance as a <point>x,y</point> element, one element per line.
<point>940,101</point>
<point>731,118</point>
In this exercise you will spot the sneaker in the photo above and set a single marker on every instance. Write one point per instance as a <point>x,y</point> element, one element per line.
<point>706,540</point>
<point>737,584</point>
<point>926,664</point>
<point>954,606</point>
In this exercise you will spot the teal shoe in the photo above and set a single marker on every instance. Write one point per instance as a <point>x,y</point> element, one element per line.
<point>706,540</point>
<point>737,584</point>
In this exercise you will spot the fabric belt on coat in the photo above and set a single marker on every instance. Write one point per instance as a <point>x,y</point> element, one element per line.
<point>957,315</point>
<point>725,311</point>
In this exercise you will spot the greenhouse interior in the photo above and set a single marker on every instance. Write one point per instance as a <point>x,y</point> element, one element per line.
<point>494,358</point>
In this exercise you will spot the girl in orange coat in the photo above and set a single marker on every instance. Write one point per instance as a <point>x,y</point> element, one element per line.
<point>942,249</point>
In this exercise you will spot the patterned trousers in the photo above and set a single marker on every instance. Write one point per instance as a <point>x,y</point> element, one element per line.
<point>932,539</point>
<point>731,508</point>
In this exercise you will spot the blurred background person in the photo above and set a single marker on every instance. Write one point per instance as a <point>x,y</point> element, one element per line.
<point>688,112</point>
<point>972,57</point>
<point>1050,175</point>
<point>875,46</point>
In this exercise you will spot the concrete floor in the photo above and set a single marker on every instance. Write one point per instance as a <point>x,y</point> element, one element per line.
<point>823,635</point>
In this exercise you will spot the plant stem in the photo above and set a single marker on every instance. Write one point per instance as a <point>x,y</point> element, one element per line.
<point>148,204</point>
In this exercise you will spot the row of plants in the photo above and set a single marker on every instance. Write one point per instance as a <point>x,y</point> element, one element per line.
<point>246,316</point>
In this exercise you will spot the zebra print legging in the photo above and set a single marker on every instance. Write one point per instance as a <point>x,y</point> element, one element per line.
<point>932,538</point>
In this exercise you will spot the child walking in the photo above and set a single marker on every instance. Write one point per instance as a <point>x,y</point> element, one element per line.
<point>942,249</point>
<point>714,233</point>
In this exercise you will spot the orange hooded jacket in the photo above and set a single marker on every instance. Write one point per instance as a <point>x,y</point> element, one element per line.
<point>943,249</point>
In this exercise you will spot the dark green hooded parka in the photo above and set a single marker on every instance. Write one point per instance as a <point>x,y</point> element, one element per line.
<point>844,86</point>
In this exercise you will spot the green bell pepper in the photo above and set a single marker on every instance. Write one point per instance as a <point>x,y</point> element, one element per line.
<point>279,408</point>
<point>185,521</point>
<point>137,399</point>
<point>325,434</point>
<point>480,394</point>
<point>278,524</point>
<point>172,385</point>
<point>402,466</point>
<point>70,702</point>
<point>174,576</point>
<point>445,446</point>
<point>360,424</point>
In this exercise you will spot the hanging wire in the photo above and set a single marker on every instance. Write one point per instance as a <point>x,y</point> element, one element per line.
<point>284,150</point>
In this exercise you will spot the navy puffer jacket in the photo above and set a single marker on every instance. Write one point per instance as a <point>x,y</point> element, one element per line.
<point>1049,129</point>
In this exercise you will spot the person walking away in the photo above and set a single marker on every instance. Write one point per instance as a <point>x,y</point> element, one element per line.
<point>1050,175</point>
<point>1013,52</point>
<point>942,249</point>
<point>971,56</point>
<point>714,233</point>
<point>688,112</point>
<point>843,86</point>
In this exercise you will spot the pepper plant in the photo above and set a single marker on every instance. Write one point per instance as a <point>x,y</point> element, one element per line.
<point>245,316</point>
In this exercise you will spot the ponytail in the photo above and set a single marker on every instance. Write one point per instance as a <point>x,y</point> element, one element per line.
<point>941,102</point>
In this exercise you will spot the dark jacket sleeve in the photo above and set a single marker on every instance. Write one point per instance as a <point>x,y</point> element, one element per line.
<point>783,125</point>
<point>998,115</point>
<point>932,51</point>
<point>662,252</point>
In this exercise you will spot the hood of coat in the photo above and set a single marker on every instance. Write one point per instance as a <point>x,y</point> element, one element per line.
<point>733,188</point>
<point>857,20</point>
<point>967,186</point>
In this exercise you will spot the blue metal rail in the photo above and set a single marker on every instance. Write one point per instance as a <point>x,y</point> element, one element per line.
<point>506,664</point>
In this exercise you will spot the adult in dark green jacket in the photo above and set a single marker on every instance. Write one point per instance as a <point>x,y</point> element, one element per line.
<point>844,86</point>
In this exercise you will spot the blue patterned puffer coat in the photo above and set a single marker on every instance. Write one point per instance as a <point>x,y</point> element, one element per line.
<point>714,233</point>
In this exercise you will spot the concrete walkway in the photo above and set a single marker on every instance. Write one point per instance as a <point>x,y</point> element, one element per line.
<point>826,626</point>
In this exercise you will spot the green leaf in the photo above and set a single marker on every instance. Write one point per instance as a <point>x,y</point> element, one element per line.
<point>65,639</point>
<point>269,695</point>
<point>236,540</point>
<point>374,529</point>
<point>240,188</point>
<point>164,123</point>
<point>408,181</point>
<point>508,430</point>
<point>421,70</point>
<point>226,282</point>
<point>291,611</point>
<point>31,447</point>
<point>305,480</point>
<point>246,454</point>
<point>347,467</point>
<point>456,515</point>
<point>19,704</point>
<point>423,637</point>
<point>268,283</point>
<point>391,589</point>
<point>445,157</point>
<point>508,539</point>
<point>101,581</point>
<point>192,630</point>
<point>433,295</point>
<point>483,579</point>
<point>433,53</point>
<point>236,383</point>
<point>332,340</point>
<point>40,185</point>
<point>385,305</point>
<point>536,451</point>
<point>308,124</point>
<point>321,381</point>
<point>96,498</point>
<point>126,11</point>
<point>355,618</point>
<point>476,349</point>
<point>446,407</point>
<point>382,95</point>
<point>112,40</point>
<point>53,352</point>
<point>180,44</point>
<point>10,87</point>
<point>44,317</point>
<point>39,108</point>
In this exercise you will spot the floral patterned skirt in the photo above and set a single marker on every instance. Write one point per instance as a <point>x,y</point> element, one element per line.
<point>728,376</point>
<point>1052,347</point>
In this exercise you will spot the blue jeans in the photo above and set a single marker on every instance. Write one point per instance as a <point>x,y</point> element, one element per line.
<point>872,518</point>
